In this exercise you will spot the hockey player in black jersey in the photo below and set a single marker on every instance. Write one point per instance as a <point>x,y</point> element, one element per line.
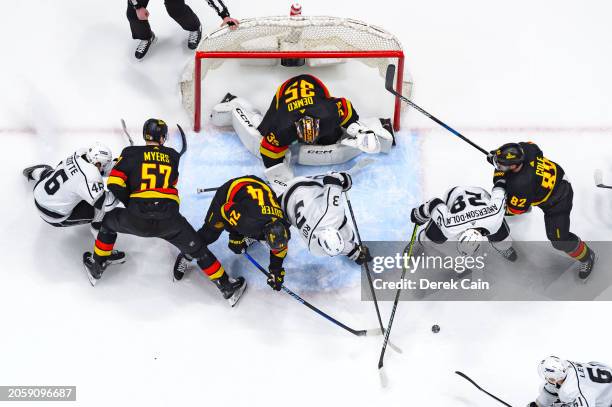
<point>144,180</point>
<point>248,209</point>
<point>327,128</point>
<point>533,180</point>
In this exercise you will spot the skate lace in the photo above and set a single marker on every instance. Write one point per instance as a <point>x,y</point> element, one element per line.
<point>182,265</point>
<point>193,36</point>
<point>584,267</point>
<point>142,45</point>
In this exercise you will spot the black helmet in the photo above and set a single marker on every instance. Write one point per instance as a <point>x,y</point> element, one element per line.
<point>154,130</point>
<point>308,129</point>
<point>509,154</point>
<point>277,234</point>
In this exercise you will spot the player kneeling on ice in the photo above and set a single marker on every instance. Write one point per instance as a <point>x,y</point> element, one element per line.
<point>466,215</point>
<point>314,205</point>
<point>73,193</point>
<point>248,209</point>
<point>574,384</point>
<point>144,180</point>
<point>533,180</point>
<point>302,111</point>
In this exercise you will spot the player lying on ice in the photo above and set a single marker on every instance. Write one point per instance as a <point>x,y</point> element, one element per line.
<point>467,215</point>
<point>73,193</point>
<point>315,206</point>
<point>328,129</point>
<point>574,384</point>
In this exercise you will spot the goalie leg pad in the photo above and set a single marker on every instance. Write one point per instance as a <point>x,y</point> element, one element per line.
<point>326,155</point>
<point>245,125</point>
<point>279,176</point>
<point>221,115</point>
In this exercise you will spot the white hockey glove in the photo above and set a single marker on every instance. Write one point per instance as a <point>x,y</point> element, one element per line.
<point>362,137</point>
<point>421,215</point>
<point>342,179</point>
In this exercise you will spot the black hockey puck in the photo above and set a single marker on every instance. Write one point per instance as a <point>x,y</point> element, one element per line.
<point>435,329</point>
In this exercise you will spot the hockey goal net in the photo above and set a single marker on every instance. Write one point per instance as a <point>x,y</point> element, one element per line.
<point>318,40</point>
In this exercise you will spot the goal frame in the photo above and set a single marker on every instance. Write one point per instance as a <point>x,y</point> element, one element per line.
<point>200,55</point>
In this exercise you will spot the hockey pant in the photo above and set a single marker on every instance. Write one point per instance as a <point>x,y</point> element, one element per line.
<point>177,9</point>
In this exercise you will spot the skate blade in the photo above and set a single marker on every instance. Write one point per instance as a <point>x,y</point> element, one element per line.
<point>91,279</point>
<point>233,300</point>
<point>114,262</point>
<point>584,280</point>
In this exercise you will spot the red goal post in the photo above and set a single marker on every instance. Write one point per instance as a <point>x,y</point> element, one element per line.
<point>320,39</point>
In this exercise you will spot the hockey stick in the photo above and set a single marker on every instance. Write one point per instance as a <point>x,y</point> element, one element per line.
<point>381,371</point>
<point>362,332</point>
<point>389,86</point>
<point>125,131</point>
<point>598,175</point>
<point>481,389</point>
<point>183,140</point>
<point>367,270</point>
<point>361,164</point>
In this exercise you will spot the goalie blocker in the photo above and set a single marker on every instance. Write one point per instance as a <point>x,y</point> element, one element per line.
<point>327,129</point>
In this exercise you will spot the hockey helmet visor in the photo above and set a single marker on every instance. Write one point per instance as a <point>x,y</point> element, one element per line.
<point>308,129</point>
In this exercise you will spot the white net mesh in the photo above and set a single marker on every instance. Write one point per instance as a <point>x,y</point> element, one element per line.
<point>302,33</point>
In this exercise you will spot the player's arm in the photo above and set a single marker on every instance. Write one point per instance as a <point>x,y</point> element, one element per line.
<point>223,12</point>
<point>548,396</point>
<point>346,112</point>
<point>117,180</point>
<point>421,214</point>
<point>273,149</point>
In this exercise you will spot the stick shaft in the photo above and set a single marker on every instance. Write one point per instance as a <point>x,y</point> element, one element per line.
<point>481,389</point>
<point>306,303</point>
<point>395,302</point>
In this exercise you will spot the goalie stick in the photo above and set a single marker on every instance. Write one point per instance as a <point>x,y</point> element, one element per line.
<point>183,137</point>
<point>352,171</point>
<point>598,175</point>
<point>389,86</point>
<point>362,332</point>
<point>381,369</point>
<point>481,389</point>
<point>367,270</point>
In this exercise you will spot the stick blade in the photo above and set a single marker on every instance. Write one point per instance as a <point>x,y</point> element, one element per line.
<point>598,177</point>
<point>382,376</point>
<point>390,75</point>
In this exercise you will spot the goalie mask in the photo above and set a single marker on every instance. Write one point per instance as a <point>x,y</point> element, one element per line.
<point>276,234</point>
<point>307,129</point>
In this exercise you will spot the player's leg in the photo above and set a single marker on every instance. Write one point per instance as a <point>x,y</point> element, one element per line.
<point>243,117</point>
<point>82,214</point>
<point>557,223</point>
<point>187,19</point>
<point>180,233</point>
<point>502,242</point>
<point>141,29</point>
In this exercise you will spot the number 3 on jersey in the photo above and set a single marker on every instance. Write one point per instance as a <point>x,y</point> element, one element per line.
<point>151,173</point>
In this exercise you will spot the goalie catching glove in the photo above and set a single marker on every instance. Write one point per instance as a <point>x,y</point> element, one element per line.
<point>361,137</point>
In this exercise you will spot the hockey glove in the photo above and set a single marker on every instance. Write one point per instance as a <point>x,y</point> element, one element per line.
<point>364,255</point>
<point>236,243</point>
<point>418,216</point>
<point>276,278</point>
<point>342,179</point>
<point>490,158</point>
<point>532,404</point>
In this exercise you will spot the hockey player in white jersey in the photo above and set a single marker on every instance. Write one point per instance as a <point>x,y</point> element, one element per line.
<point>467,215</point>
<point>73,193</point>
<point>574,384</point>
<point>315,206</point>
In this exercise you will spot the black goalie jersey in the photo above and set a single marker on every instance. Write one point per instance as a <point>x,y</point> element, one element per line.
<point>303,95</point>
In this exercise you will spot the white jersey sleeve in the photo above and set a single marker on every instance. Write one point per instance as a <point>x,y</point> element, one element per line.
<point>588,385</point>
<point>469,208</point>
<point>312,206</point>
<point>73,180</point>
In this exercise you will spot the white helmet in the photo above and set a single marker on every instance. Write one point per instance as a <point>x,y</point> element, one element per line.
<point>100,154</point>
<point>469,242</point>
<point>331,241</point>
<point>552,369</point>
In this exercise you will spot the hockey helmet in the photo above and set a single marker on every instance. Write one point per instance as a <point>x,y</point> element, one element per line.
<point>507,155</point>
<point>155,130</point>
<point>469,242</point>
<point>100,154</point>
<point>308,130</point>
<point>330,241</point>
<point>277,234</point>
<point>553,369</point>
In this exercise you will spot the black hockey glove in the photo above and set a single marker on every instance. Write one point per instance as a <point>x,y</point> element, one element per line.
<point>364,255</point>
<point>236,243</point>
<point>276,278</point>
<point>418,216</point>
<point>532,404</point>
<point>490,158</point>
